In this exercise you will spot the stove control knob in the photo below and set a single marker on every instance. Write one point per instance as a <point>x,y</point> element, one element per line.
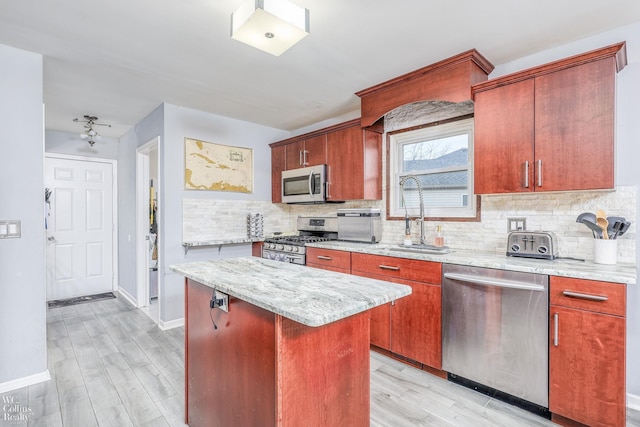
<point>294,249</point>
<point>288,248</point>
<point>280,247</point>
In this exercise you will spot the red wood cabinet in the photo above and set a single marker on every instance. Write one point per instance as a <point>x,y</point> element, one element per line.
<point>504,139</point>
<point>354,163</point>
<point>412,327</point>
<point>538,130</point>
<point>328,259</point>
<point>353,157</point>
<point>307,152</point>
<point>587,351</point>
<point>278,164</point>
<point>261,369</point>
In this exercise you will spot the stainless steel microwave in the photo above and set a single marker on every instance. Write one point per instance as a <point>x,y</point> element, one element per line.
<point>304,185</point>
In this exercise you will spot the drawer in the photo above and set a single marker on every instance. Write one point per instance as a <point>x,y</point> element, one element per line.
<point>329,258</point>
<point>401,268</point>
<point>591,295</point>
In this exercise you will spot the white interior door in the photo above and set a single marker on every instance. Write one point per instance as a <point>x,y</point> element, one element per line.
<point>79,228</point>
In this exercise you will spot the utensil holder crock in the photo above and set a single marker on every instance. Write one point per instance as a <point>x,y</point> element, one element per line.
<point>605,251</point>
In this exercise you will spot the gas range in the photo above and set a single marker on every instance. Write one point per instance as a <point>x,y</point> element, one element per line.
<point>292,248</point>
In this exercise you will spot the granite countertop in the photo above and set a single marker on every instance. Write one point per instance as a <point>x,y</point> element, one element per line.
<point>309,296</point>
<point>620,273</point>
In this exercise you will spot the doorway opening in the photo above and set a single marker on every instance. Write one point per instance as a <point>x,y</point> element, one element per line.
<point>148,238</point>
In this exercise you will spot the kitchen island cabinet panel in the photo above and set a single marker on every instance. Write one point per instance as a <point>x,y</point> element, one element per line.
<point>258,368</point>
<point>212,365</point>
<point>587,352</point>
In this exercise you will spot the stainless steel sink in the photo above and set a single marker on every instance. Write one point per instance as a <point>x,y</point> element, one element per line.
<point>422,249</point>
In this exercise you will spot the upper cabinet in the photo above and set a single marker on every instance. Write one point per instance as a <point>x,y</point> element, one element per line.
<point>307,152</point>
<point>549,128</point>
<point>353,156</point>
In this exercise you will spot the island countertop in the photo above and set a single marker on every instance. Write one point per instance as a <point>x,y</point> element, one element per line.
<point>309,296</point>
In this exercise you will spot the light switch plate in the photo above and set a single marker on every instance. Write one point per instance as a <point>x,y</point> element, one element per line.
<point>10,229</point>
<point>516,224</point>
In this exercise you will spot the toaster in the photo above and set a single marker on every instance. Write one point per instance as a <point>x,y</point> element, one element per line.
<point>532,244</point>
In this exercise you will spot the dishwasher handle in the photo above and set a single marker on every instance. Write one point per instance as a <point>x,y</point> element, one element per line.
<point>493,281</point>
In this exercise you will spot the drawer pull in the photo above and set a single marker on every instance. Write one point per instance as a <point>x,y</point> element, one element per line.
<point>328,258</point>
<point>571,294</point>
<point>389,267</point>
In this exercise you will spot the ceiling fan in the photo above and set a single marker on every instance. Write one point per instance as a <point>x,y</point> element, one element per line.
<point>90,134</point>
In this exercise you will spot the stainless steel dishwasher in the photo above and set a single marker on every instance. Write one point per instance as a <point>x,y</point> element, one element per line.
<point>495,330</point>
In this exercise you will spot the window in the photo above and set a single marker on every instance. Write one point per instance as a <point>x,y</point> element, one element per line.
<point>441,158</point>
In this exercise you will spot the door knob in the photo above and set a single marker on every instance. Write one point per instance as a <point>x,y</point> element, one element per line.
<point>51,238</point>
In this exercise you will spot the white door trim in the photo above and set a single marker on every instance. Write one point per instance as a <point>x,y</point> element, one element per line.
<point>142,222</point>
<point>114,203</point>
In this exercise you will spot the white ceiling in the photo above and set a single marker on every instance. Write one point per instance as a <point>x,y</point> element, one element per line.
<point>119,59</point>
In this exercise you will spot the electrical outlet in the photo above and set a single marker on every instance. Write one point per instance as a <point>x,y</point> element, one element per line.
<point>516,224</point>
<point>222,301</point>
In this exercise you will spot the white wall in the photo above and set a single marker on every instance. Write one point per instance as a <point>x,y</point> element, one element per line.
<point>183,122</point>
<point>22,275</point>
<point>173,123</point>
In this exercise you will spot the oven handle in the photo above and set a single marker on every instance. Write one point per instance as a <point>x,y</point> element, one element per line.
<point>502,283</point>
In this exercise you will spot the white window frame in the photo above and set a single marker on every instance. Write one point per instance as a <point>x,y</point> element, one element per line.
<point>398,139</point>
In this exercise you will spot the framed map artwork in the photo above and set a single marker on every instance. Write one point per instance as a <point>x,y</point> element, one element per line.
<point>217,167</point>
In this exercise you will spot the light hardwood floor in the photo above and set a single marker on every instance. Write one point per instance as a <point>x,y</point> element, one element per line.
<point>112,366</point>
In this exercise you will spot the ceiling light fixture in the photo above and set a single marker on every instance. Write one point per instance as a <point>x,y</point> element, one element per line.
<point>272,26</point>
<point>90,134</point>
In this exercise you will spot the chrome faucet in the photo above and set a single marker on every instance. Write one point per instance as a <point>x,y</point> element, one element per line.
<point>421,219</point>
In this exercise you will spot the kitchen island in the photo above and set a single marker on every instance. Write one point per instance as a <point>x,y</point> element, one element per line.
<point>292,349</point>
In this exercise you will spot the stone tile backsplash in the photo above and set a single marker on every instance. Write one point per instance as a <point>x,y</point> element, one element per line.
<point>207,219</point>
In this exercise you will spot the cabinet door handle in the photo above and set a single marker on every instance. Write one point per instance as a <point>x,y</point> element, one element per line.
<point>328,258</point>
<point>572,294</point>
<point>389,267</point>
<point>328,185</point>
<point>539,173</point>
<point>300,158</point>
<point>526,174</point>
<point>555,329</point>
<point>304,158</point>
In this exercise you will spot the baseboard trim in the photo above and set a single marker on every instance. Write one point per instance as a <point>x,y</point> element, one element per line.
<point>176,323</point>
<point>633,402</point>
<point>126,295</point>
<point>25,381</point>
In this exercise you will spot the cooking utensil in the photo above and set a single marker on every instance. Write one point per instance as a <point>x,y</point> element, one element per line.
<point>614,229</point>
<point>623,229</point>
<point>602,222</point>
<point>589,219</point>
<point>613,220</point>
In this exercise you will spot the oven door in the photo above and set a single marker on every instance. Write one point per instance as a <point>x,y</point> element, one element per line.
<point>283,256</point>
<point>304,185</point>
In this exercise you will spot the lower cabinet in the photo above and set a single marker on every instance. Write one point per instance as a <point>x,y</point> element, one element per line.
<point>410,327</point>
<point>329,259</point>
<point>587,351</point>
